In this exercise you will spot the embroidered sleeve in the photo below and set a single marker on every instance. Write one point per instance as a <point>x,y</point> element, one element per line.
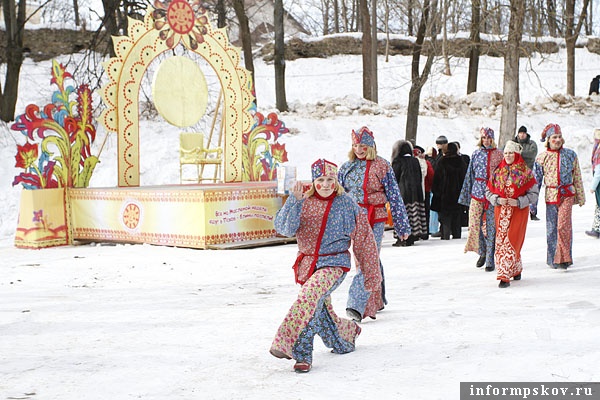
<point>364,248</point>
<point>465,192</point>
<point>578,183</point>
<point>287,219</point>
<point>491,197</point>
<point>531,197</point>
<point>397,208</point>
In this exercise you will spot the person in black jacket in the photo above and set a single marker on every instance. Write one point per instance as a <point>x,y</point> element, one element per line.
<point>447,183</point>
<point>595,85</point>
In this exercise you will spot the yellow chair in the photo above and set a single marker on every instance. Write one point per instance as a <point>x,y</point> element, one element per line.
<point>192,151</point>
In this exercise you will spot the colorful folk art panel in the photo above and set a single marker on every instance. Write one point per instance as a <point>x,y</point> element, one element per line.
<point>262,154</point>
<point>42,219</point>
<point>59,136</point>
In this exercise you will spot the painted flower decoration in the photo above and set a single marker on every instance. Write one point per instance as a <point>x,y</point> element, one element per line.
<point>65,131</point>
<point>27,155</point>
<point>261,157</point>
<point>180,20</point>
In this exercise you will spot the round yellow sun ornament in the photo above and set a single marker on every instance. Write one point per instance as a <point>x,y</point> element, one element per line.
<point>179,91</point>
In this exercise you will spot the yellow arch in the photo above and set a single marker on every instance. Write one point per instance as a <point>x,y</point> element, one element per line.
<point>134,53</point>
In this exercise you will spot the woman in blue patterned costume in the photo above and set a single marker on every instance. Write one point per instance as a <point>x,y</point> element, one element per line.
<point>370,180</point>
<point>482,227</point>
<point>325,221</point>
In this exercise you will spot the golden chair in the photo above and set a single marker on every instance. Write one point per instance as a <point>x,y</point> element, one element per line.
<point>192,151</point>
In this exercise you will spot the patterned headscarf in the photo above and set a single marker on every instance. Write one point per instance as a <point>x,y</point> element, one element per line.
<point>363,136</point>
<point>550,130</point>
<point>487,132</point>
<point>322,167</point>
<point>512,180</point>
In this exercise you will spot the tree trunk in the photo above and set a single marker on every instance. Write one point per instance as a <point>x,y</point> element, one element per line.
<point>110,22</point>
<point>474,52</point>
<point>336,16</point>
<point>76,12</point>
<point>366,49</point>
<point>447,70</point>
<point>245,37</point>
<point>14,21</point>
<point>552,23</point>
<point>409,18</point>
<point>571,34</point>
<point>279,58</point>
<point>221,14</point>
<point>508,120</point>
<point>418,80</point>
<point>374,43</point>
<point>387,30</point>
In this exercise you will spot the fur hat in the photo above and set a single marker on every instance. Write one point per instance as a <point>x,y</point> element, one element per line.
<point>322,167</point>
<point>597,133</point>
<point>418,150</point>
<point>363,136</point>
<point>441,140</point>
<point>487,132</point>
<point>549,130</point>
<point>513,147</point>
<point>522,129</point>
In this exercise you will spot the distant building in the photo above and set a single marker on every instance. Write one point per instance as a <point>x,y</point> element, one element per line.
<point>260,20</point>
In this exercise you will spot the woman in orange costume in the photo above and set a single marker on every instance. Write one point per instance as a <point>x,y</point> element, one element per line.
<point>511,189</point>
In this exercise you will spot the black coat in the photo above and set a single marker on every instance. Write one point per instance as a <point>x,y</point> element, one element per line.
<point>595,85</point>
<point>447,183</point>
<point>408,173</point>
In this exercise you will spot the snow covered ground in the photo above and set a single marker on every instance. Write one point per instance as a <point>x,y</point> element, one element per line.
<point>106,321</point>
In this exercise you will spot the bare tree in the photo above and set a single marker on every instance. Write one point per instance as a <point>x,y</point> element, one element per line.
<point>409,17</point>
<point>76,12</point>
<point>447,70</point>
<point>428,17</point>
<point>552,19</point>
<point>571,34</point>
<point>279,57</point>
<point>221,14</point>
<point>474,50</point>
<point>508,120</point>
<point>366,50</point>
<point>374,43</point>
<point>245,37</point>
<point>14,21</point>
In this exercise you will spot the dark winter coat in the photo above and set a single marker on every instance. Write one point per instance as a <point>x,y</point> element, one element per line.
<point>595,85</point>
<point>408,172</point>
<point>447,182</point>
<point>530,150</point>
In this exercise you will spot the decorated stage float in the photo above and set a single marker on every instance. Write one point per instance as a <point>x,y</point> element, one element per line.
<point>236,209</point>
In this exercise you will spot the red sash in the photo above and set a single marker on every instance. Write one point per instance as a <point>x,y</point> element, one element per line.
<point>302,276</point>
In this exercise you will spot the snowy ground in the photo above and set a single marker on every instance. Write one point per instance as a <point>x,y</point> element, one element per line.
<point>139,321</point>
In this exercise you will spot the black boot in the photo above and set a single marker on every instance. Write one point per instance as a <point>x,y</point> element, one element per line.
<point>480,262</point>
<point>533,217</point>
<point>503,284</point>
<point>353,314</point>
<point>400,243</point>
<point>517,277</point>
